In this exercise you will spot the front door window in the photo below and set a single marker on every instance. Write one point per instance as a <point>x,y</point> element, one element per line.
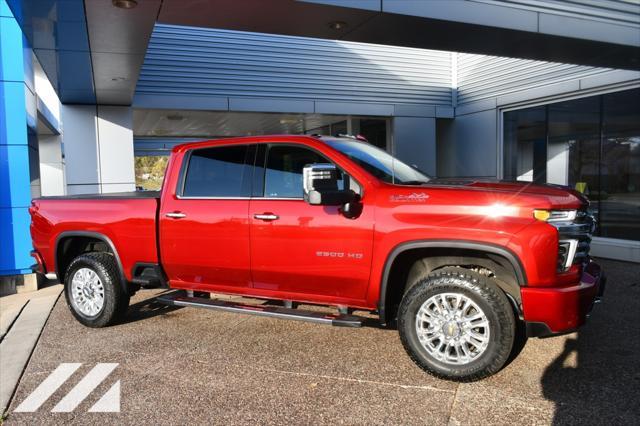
<point>283,176</point>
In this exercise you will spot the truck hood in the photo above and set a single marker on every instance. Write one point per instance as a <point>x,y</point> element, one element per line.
<point>548,191</point>
<point>473,196</point>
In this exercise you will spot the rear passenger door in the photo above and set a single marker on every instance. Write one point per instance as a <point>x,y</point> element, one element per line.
<point>204,229</point>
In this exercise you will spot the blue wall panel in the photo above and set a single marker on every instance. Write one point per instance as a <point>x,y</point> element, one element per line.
<point>15,192</point>
<point>11,55</point>
<point>56,30</point>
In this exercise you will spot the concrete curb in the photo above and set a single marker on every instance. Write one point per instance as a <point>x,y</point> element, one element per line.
<point>21,339</point>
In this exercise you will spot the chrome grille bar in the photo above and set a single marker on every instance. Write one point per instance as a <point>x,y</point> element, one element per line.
<point>574,240</point>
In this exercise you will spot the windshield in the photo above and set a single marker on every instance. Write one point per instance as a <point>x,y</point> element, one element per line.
<point>379,163</point>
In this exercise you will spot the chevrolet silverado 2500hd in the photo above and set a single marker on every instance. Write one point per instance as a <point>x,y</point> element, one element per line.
<point>461,267</point>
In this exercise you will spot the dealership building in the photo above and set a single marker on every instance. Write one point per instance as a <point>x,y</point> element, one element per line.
<point>95,93</point>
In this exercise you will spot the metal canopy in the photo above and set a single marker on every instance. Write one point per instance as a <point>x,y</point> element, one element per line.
<point>92,51</point>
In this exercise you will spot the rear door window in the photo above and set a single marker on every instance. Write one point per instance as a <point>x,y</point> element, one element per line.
<point>219,172</point>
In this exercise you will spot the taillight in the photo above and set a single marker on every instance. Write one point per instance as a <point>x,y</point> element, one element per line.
<point>33,208</point>
<point>39,265</point>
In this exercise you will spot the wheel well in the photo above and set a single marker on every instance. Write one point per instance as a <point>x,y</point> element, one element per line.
<point>68,248</point>
<point>412,264</point>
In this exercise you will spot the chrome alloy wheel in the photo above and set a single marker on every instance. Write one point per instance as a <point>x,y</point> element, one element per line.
<point>87,292</point>
<point>452,328</point>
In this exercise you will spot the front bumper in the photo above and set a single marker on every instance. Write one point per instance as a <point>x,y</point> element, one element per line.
<point>560,310</point>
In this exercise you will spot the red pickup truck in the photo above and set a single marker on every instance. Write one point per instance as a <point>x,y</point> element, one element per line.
<point>460,267</point>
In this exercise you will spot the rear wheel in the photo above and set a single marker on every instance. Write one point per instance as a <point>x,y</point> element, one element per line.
<point>457,324</point>
<point>93,290</point>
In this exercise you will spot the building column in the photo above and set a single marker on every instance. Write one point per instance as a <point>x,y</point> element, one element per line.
<point>17,114</point>
<point>414,142</point>
<point>98,143</point>
<point>52,178</point>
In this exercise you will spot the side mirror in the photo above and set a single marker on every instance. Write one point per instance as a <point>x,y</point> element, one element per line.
<point>320,183</point>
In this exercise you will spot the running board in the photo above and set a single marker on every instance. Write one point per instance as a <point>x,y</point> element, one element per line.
<point>338,320</point>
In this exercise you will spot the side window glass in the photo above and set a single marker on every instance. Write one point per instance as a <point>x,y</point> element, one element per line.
<point>283,174</point>
<point>218,172</point>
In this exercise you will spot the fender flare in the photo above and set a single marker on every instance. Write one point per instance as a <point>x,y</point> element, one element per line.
<point>89,234</point>
<point>502,251</point>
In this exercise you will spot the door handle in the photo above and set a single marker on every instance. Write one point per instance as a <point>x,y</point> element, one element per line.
<point>266,216</point>
<point>176,215</point>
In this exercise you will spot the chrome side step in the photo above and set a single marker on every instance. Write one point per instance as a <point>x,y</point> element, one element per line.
<point>338,320</point>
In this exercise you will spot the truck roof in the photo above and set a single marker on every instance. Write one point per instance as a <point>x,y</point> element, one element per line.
<point>264,139</point>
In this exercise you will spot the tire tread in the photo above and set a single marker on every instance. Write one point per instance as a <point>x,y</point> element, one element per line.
<point>115,306</point>
<point>482,286</point>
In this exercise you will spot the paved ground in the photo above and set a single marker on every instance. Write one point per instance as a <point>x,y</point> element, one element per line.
<point>22,318</point>
<point>195,366</point>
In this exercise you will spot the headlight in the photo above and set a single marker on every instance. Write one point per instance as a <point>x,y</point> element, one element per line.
<point>555,215</point>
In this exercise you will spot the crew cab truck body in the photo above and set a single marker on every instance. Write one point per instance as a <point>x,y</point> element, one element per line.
<point>462,267</point>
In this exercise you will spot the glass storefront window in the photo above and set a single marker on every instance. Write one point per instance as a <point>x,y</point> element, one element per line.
<point>572,149</point>
<point>590,144</point>
<point>620,166</point>
<point>375,130</point>
<point>524,155</point>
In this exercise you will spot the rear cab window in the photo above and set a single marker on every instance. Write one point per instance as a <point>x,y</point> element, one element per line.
<point>218,172</point>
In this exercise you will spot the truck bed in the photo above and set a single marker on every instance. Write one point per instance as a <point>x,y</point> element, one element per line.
<point>126,221</point>
<point>111,195</point>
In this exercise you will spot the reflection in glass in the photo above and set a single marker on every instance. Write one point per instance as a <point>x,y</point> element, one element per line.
<point>525,144</point>
<point>375,131</point>
<point>620,168</point>
<point>572,151</point>
<point>590,144</point>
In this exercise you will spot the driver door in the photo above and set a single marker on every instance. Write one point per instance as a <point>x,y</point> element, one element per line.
<point>300,251</point>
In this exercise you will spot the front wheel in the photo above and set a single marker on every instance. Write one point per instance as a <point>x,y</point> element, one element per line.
<point>93,291</point>
<point>457,325</point>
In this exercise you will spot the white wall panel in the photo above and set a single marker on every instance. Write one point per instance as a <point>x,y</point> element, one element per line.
<point>79,138</point>
<point>115,142</point>
<point>98,143</point>
<point>482,77</point>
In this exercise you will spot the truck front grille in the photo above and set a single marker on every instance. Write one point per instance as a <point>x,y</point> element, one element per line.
<point>574,240</point>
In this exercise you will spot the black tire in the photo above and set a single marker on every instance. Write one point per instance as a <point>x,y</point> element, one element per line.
<point>487,296</point>
<point>116,301</point>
